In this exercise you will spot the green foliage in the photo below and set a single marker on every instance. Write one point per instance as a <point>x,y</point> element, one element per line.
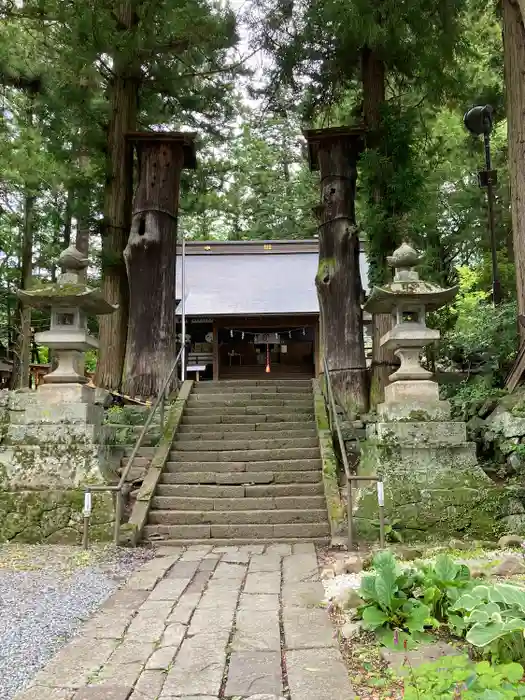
<point>392,169</point>
<point>442,584</point>
<point>454,677</point>
<point>481,333</point>
<point>494,617</point>
<point>259,188</point>
<point>389,609</point>
<point>468,397</point>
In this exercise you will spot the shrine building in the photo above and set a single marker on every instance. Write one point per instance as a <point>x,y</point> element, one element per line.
<point>251,308</point>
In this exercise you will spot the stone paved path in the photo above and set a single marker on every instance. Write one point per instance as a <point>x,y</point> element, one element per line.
<point>206,623</point>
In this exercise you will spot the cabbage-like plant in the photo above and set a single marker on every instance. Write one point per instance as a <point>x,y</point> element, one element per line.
<point>390,609</point>
<point>494,619</point>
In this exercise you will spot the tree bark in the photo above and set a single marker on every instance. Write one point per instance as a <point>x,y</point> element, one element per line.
<point>338,278</point>
<point>20,374</point>
<point>373,78</point>
<point>514,52</point>
<point>123,90</point>
<point>150,257</point>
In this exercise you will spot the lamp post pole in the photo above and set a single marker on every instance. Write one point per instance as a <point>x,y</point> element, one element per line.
<point>478,121</point>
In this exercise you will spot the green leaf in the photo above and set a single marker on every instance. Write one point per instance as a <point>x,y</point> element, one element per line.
<point>513,672</point>
<point>445,568</point>
<point>418,617</point>
<point>457,624</point>
<point>508,594</point>
<point>471,600</point>
<point>367,590</point>
<point>481,634</point>
<point>373,618</point>
<point>385,565</point>
<point>386,637</point>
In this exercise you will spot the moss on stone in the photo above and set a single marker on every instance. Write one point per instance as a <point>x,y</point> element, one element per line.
<point>430,491</point>
<point>36,516</point>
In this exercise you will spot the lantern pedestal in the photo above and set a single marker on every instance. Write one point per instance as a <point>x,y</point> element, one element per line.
<point>433,485</point>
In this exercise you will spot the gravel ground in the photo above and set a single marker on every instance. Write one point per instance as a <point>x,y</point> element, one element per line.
<point>46,593</point>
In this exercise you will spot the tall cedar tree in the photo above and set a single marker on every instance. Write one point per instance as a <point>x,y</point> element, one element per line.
<point>322,50</point>
<point>514,50</point>
<point>155,62</point>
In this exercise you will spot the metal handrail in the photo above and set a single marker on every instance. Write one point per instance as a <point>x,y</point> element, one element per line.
<point>117,488</point>
<point>334,421</point>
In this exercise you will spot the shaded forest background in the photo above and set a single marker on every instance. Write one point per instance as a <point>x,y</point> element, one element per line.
<point>76,76</point>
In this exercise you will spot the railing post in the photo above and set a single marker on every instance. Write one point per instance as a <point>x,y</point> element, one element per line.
<point>162,411</point>
<point>118,517</point>
<point>381,504</point>
<point>87,516</point>
<point>350,514</point>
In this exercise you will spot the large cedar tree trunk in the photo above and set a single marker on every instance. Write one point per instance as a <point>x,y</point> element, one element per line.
<point>20,374</point>
<point>383,361</point>
<point>514,49</point>
<point>123,98</point>
<point>338,278</point>
<point>150,257</point>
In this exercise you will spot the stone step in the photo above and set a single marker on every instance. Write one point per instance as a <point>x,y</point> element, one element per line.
<point>240,477</point>
<point>291,465</point>
<point>143,451</point>
<point>227,504</point>
<point>248,402</point>
<point>257,532</point>
<point>236,517</point>
<point>271,443</point>
<point>236,428</point>
<point>221,389</point>
<point>206,416</point>
<point>236,383</point>
<point>239,541</point>
<point>134,473</point>
<point>213,434</point>
<point>138,463</point>
<point>260,491</point>
<point>255,397</point>
<point>244,455</point>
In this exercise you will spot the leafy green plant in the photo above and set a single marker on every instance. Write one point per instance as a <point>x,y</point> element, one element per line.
<point>443,583</point>
<point>115,414</point>
<point>458,677</point>
<point>389,609</point>
<point>494,620</point>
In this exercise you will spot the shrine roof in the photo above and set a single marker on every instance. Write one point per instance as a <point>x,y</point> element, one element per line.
<point>251,278</point>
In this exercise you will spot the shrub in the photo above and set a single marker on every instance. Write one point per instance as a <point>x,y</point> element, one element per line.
<point>493,617</point>
<point>459,678</point>
<point>389,604</point>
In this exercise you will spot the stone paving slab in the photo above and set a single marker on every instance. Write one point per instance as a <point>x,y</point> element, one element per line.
<point>200,622</point>
<point>317,674</point>
<point>307,629</point>
<point>106,692</point>
<point>197,669</point>
<point>256,631</point>
<point>254,672</point>
<point>263,582</point>
<point>42,693</point>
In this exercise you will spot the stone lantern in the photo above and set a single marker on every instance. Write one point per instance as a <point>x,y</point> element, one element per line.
<point>408,299</point>
<point>433,485</point>
<point>53,442</point>
<point>71,300</point>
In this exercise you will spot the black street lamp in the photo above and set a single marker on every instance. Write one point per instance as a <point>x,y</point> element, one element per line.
<point>478,121</point>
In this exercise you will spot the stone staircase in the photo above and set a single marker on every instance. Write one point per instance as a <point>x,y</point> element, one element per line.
<point>245,467</point>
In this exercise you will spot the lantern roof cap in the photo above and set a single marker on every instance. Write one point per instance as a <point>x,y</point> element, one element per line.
<point>69,291</point>
<point>407,288</point>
